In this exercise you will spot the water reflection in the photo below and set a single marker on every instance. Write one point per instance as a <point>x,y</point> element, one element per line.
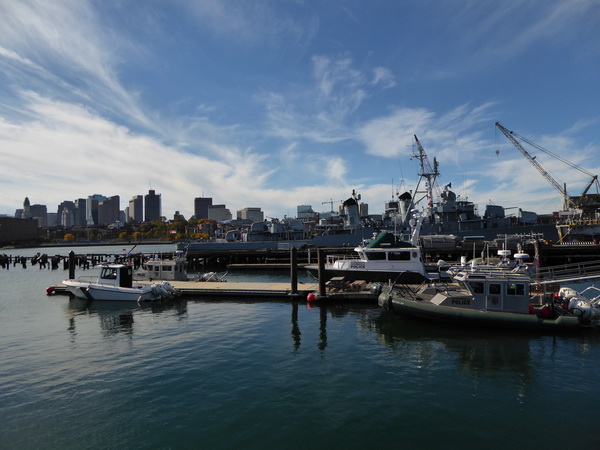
<point>295,328</point>
<point>334,310</point>
<point>322,345</point>
<point>502,355</point>
<point>118,317</point>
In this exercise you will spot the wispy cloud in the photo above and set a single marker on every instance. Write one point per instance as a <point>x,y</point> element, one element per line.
<point>454,134</point>
<point>478,35</point>
<point>255,23</point>
<point>323,111</point>
<point>78,55</point>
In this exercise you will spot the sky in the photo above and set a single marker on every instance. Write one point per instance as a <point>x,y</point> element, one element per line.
<point>279,103</point>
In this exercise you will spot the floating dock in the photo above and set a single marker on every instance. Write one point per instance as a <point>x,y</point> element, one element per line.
<point>332,290</point>
<point>259,290</point>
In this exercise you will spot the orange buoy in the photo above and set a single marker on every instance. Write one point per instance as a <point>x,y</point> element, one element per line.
<point>311,297</point>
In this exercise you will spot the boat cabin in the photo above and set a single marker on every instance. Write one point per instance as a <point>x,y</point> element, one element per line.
<point>117,275</point>
<point>494,291</point>
<point>163,269</point>
<point>388,247</point>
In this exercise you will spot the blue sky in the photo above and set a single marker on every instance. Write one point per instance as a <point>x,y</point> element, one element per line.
<point>275,104</point>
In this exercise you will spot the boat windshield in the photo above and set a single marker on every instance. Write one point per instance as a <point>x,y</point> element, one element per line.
<point>474,287</point>
<point>108,273</point>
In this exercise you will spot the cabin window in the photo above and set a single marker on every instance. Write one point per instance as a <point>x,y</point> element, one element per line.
<point>399,256</point>
<point>109,274</point>
<point>515,289</point>
<point>476,287</point>
<point>495,288</point>
<point>376,256</point>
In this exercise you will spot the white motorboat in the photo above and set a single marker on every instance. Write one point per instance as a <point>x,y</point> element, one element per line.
<point>384,258</point>
<point>115,283</point>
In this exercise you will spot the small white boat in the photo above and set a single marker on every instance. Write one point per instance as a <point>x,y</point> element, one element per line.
<point>115,283</point>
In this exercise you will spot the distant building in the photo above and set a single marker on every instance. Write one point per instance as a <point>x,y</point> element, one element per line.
<point>151,206</point>
<point>201,205</point>
<point>136,209</point>
<point>14,230</point>
<point>81,212</point>
<point>40,213</point>
<point>66,214</point>
<point>251,214</point>
<point>305,213</point>
<point>109,210</point>
<point>52,219</point>
<point>26,209</point>
<point>91,208</point>
<point>219,213</point>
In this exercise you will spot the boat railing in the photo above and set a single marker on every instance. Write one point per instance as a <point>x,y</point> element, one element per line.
<point>333,258</point>
<point>88,279</point>
<point>496,271</point>
<point>405,290</point>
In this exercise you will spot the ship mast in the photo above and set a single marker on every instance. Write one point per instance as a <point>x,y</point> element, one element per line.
<point>427,172</point>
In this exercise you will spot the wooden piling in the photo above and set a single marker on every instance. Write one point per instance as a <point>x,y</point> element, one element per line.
<point>321,272</point>
<point>294,271</point>
<point>71,265</point>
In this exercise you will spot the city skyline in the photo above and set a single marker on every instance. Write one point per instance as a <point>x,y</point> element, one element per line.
<point>27,208</point>
<point>281,104</point>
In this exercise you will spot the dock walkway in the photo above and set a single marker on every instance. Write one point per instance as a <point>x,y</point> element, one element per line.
<point>254,290</point>
<point>248,289</point>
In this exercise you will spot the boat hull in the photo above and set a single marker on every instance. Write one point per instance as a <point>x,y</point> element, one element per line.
<point>408,277</point>
<point>91,291</point>
<point>424,309</point>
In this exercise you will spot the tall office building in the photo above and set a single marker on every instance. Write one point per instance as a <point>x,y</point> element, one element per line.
<point>109,210</point>
<point>40,213</point>
<point>136,209</point>
<point>81,212</point>
<point>26,209</point>
<point>91,208</point>
<point>151,206</point>
<point>66,214</point>
<point>201,205</point>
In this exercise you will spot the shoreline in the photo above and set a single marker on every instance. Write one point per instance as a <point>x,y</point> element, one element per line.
<point>84,244</point>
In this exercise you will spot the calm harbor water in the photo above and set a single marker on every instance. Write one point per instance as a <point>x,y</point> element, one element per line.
<point>253,374</point>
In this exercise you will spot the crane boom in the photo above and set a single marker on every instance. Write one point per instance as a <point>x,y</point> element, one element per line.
<point>568,202</point>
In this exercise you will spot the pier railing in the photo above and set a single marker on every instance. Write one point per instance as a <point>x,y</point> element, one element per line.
<point>584,271</point>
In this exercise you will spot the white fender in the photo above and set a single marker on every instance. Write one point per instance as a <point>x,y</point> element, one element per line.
<point>580,307</point>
